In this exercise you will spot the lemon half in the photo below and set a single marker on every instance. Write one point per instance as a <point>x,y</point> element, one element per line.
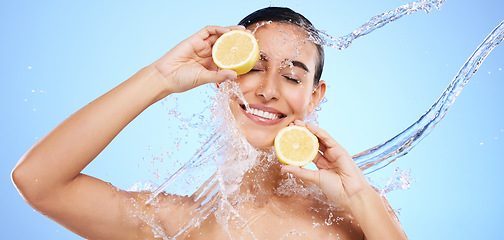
<point>236,50</point>
<point>296,145</point>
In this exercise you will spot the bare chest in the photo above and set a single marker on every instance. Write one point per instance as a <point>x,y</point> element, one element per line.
<point>272,223</point>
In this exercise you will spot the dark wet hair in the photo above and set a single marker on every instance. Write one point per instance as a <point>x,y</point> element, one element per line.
<point>287,15</point>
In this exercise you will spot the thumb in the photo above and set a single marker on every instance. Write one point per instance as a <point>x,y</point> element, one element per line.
<point>217,76</point>
<point>306,175</point>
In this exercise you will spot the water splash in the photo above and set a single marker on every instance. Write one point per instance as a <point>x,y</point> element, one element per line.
<point>221,181</point>
<point>222,162</point>
<point>381,155</point>
<point>400,180</point>
<point>234,174</point>
<point>376,22</point>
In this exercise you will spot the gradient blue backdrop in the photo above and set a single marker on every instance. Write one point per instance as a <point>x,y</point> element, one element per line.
<point>57,56</point>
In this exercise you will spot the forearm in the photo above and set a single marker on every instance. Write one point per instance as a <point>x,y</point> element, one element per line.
<point>62,154</point>
<point>371,213</point>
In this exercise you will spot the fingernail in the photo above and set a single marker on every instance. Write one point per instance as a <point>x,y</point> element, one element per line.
<point>285,169</point>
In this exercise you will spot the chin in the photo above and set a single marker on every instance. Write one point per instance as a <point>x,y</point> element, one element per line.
<point>260,142</point>
<point>261,146</point>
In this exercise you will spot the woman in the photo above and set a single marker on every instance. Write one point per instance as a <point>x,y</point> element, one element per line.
<point>285,83</point>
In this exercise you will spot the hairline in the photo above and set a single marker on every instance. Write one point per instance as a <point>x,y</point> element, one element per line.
<point>304,24</point>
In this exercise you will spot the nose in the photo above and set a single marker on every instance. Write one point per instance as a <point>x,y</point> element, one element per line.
<point>267,88</point>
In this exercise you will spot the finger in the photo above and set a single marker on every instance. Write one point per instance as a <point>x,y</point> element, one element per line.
<point>334,154</point>
<point>236,27</point>
<point>230,74</point>
<point>299,123</point>
<point>218,30</point>
<point>211,33</point>
<point>206,76</point>
<point>302,173</point>
<point>322,163</point>
<point>323,136</point>
<point>221,30</point>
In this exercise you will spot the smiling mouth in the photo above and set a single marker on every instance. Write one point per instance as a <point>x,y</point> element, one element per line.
<point>262,114</point>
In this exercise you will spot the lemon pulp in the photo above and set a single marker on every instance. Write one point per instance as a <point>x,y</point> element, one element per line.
<point>236,50</point>
<point>296,145</point>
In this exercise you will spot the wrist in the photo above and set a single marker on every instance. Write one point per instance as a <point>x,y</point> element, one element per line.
<point>361,198</point>
<point>154,81</point>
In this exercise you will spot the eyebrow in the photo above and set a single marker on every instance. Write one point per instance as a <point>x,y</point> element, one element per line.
<point>263,57</point>
<point>300,65</point>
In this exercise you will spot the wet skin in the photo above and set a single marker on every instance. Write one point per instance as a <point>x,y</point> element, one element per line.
<point>281,83</point>
<point>49,176</point>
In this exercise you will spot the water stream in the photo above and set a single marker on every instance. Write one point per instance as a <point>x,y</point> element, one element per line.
<point>381,155</point>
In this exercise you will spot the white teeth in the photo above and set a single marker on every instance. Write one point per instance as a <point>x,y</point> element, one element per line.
<point>263,114</point>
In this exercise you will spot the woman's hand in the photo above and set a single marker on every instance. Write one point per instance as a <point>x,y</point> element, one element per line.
<point>344,184</point>
<point>189,64</point>
<point>338,175</point>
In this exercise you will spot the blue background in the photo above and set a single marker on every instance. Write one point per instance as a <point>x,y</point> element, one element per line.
<point>57,56</point>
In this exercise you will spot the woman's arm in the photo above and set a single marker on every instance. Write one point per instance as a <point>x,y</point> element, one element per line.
<point>48,175</point>
<point>373,215</point>
<point>344,183</point>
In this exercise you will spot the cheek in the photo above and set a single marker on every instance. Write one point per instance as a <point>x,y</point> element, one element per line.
<point>247,82</point>
<point>299,101</point>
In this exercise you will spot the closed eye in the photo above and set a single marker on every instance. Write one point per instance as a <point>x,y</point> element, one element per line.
<point>292,79</point>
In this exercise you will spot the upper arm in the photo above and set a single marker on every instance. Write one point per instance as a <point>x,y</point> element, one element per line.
<point>393,215</point>
<point>95,209</point>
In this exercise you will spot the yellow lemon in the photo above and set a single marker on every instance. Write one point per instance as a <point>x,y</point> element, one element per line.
<point>296,145</point>
<point>236,50</point>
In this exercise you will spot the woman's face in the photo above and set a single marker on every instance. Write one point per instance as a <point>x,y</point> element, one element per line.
<point>279,89</point>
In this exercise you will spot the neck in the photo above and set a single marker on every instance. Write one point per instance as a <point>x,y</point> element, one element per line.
<point>262,180</point>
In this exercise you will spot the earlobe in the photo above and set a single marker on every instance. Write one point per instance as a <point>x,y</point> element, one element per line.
<point>317,95</point>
